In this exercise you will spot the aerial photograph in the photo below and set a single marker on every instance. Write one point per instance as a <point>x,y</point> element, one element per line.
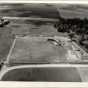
<point>44,42</point>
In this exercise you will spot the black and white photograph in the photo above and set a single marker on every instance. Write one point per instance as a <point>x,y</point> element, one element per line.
<point>43,42</point>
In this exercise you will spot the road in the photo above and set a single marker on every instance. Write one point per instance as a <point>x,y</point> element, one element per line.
<point>32,19</point>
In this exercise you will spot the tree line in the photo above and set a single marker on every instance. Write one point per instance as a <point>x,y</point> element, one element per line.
<point>74,27</point>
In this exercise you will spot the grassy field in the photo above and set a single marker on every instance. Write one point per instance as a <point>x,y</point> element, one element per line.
<point>64,74</point>
<point>37,50</point>
<point>72,11</point>
<point>27,10</point>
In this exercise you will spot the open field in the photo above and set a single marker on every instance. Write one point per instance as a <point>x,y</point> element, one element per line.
<point>44,74</point>
<point>47,10</point>
<point>36,50</point>
<point>26,10</point>
<point>72,11</point>
<point>39,50</point>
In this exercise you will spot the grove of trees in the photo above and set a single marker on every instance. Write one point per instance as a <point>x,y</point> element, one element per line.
<point>76,28</point>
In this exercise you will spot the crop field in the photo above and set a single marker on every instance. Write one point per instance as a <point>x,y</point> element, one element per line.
<point>26,10</point>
